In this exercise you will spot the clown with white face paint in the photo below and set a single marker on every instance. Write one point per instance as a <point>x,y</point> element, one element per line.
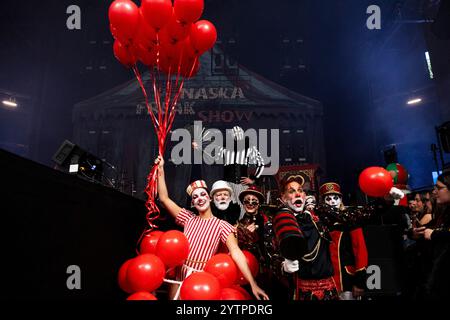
<point>348,248</point>
<point>223,207</point>
<point>304,243</point>
<point>200,199</point>
<point>295,196</point>
<point>331,195</point>
<point>333,200</point>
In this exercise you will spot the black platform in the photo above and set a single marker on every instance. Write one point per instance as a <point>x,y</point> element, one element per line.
<point>51,220</point>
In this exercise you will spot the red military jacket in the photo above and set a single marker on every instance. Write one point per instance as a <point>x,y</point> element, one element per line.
<point>349,257</point>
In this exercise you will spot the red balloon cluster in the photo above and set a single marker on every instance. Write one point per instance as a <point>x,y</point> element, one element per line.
<point>375,181</point>
<point>158,251</point>
<point>218,281</point>
<point>159,34</point>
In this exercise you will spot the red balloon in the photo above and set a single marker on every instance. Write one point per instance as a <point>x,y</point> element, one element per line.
<point>123,54</point>
<point>244,292</point>
<point>142,295</point>
<point>122,277</point>
<point>203,36</point>
<point>188,11</point>
<point>375,181</point>
<point>171,49</point>
<point>145,35</point>
<point>231,294</point>
<point>176,31</point>
<point>200,286</point>
<point>124,19</point>
<point>172,248</point>
<point>253,266</point>
<point>148,243</point>
<point>145,273</point>
<point>156,12</point>
<point>223,268</point>
<point>148,57</point>
<point>188,49</point>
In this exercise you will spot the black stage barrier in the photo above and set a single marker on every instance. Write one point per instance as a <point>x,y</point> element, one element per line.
<point>386,260</point>
<point>52,220</point>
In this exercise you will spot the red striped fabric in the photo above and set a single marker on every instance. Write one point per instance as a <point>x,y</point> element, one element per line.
<point>204,236</point>
<point>285,222</point>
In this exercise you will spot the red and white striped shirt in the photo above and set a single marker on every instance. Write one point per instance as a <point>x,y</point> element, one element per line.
<point>204,236</point>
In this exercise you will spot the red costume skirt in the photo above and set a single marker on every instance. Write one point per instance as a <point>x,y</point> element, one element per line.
<point>322,289</point>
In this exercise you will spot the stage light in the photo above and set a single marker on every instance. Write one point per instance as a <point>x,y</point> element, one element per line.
<point>9,103</point>
<point>72,158</point>
<point>414,101</point>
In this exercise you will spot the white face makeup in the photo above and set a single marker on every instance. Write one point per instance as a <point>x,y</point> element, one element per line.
<point>200,199</point>
<point>222,199</point>
<point>251,204</point>
<point>333,200</point>
<point>294,196</point>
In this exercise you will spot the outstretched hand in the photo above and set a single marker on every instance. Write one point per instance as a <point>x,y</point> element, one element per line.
<point>259,293</point>
<point>247,181</point>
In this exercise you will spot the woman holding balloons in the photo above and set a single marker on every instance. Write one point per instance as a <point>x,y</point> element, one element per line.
<point>204,232</point>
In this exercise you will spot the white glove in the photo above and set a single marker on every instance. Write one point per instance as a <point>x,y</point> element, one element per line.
<point>290,266</point>
<point>238,133</point>
<point>396,194</point>
<point>310,203</point>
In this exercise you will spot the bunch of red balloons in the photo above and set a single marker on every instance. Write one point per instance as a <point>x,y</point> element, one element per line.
<point>162,35</point>
<point>158,252</point>
<point>219,280</point>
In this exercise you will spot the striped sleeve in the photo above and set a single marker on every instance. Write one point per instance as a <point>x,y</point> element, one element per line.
<point>255,157</point>
<point>225,230</point>
<point>183,217</point>
<point>285,225</point>
<point>220,154</point>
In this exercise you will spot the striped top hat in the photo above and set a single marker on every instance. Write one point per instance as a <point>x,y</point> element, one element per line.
<point>330,188</point>
<point>195,185</point>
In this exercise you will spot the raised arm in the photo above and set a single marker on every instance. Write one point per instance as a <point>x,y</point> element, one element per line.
<point>163,194</point>
<point>241,262</point>
<point>254,157</point>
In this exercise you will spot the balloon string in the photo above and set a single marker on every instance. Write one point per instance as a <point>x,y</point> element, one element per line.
<point>168,95</point>
<point>156,88</point>
<point>162,125</point>
<point>149,108</point>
